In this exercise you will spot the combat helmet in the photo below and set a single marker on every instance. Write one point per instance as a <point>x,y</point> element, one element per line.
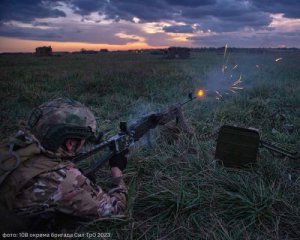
<point>53,122</point>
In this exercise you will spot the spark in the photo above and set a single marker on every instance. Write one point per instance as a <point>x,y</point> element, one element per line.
<point>219,94</point>
<point>278,59</point>
<point>224,68</point>
<point>237,81</point>
<point>235,66</point>
<point>225,50</point>
<point>237,88</point>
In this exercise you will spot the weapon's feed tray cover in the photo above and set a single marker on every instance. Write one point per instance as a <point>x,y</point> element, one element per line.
<point>237,147</point>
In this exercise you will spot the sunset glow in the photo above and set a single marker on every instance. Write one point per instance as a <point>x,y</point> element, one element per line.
<point>19,45</point>
<point>71,25</point>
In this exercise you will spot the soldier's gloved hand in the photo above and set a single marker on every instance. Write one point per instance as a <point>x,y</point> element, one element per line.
<point>119,160</point>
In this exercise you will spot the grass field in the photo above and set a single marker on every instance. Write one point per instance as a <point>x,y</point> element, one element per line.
<point>177,191</point>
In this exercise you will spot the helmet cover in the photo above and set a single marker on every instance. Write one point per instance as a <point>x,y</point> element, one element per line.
<point>59,119</point>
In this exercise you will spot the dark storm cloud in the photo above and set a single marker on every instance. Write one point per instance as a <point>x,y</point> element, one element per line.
<point>221,16</point>
<point>227,24</point>
<point>40,24</point>
<point>64,34</point>
<point>27,11</point>
<point>29,33</point>
<point>290,8</point>
<point>217,15</point>
<point>147,10</point>
<point>179,29</point>
<point>190,3</point>
<point>262,39</point>
<point>227,16</point>
<point>85,7</point>
<point>153,10</point>
<point>224,17</point>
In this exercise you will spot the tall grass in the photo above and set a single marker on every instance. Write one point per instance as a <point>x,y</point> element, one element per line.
<point>177,190</point>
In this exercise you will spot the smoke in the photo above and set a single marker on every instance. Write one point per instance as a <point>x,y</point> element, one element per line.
<point>226,77</point>
<point>223,79</point>
<point>140,110</point>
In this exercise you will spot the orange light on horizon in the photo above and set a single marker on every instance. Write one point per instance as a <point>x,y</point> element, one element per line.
<point>22,45</point>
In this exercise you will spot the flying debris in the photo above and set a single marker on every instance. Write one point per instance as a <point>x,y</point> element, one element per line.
<point>219,95</point>
<point>234,86</point>
<point>237,81</point>
<point>224,81</point>
<point>225,50</point>
<point>278,59</point>
<point>224,68</point>
<point>237,88</point>
<point>235,66</point>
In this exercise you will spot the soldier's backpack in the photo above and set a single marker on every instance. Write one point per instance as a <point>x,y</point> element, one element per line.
<point>20,161</point>
<point>12,155</point>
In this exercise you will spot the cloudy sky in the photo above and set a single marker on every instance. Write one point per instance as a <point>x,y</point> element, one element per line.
<point>69,25</point>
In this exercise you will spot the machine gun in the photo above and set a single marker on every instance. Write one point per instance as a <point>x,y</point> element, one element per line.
<point>128,135</point>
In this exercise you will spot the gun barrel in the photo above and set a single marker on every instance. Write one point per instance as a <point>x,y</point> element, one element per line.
<point>91,151</point>
<point>187,101</point>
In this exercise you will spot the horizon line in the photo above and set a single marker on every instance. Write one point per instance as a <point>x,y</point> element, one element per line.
<point>145,49</point>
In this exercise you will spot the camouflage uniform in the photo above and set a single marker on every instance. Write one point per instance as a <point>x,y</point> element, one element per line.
<point>43,181</point>
<point>67,190</point>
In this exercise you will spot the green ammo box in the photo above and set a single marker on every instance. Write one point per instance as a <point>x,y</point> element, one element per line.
<point>237,147</point>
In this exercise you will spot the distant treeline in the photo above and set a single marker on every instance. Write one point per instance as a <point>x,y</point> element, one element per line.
<point>165,50</point>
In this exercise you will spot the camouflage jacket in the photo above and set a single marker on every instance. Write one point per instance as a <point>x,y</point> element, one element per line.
<point>66,189</point>
<point>42,181</point>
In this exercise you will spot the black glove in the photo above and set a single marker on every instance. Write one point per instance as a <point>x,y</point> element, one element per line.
<point>119,160</point>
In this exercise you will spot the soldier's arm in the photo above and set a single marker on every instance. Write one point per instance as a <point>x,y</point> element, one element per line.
<point>77,196</point>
